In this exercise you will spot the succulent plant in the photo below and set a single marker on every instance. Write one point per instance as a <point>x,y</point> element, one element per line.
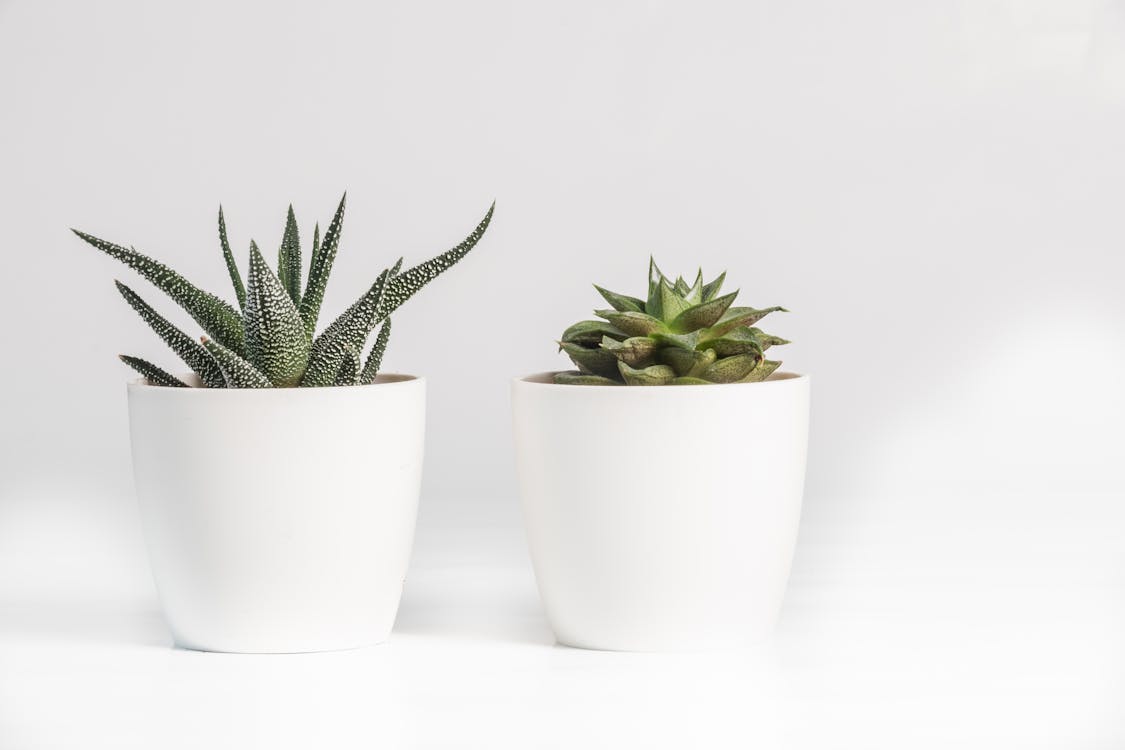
<point>270,340</point>
<point>678,335</point>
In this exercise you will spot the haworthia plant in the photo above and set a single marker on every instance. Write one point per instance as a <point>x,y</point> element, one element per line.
<point>680,334</point>
<point>269,341</point>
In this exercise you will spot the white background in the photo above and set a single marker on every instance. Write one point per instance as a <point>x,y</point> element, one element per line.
<point>934,189</point>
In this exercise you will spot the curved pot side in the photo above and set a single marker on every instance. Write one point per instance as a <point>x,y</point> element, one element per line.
<point>661,519</point>
<point>279,520</point>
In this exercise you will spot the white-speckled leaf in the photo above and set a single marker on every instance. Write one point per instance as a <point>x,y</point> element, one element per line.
<point>232,267</point>
<point>349,331</point>
<point>237,372</point>
<point>275,335</point>
<point>217,317</point>
<point>375,358</point>
<point>185,347</point>
<point>154,374</point>
<point>406,284</point>
<point>320,268</point>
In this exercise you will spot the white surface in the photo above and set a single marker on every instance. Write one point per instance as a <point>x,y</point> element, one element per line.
<point>279,521</point>
<point>934,188</point>
<point>900,631</point>
<point>661,519</point>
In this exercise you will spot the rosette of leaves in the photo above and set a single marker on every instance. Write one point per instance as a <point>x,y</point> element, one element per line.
<point>679,334</point>
<point>269,339</point>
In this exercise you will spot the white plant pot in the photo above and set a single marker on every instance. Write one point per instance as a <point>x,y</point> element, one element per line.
<point>279,520</point>
<point>661,518</point>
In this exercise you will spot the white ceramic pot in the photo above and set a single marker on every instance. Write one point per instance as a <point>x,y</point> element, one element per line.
<point>279,520</point>
<point>661,518</point>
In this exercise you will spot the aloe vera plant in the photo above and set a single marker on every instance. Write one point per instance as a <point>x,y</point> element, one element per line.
<point>677,335</point>
<point>269,340</point>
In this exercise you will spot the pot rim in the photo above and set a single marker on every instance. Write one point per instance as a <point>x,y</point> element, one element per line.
<point>392,380</point>
<point>545,380</point>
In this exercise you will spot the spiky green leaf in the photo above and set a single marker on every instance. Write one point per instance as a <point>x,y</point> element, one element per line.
<point>289,258</point>
<point>621,302</point>
<point>695,294</point>
<point>596,361</point>
<point>320,268</point>
<point>731,369</point>
<point>766,339</point>
<point>275,335</point>
<point>348,331</point>
<point>232,267</point>
<point>654,375</point>
<point>591,332</point>
<point>579,378</point>
<point>635,352</point>
<point>712,289</point>
<point>655,279</point>
<point>407,284</point>
<point>632,323</point>
<point>736,317</point>
<point>375,358</point>
<point>672,303</point>
<point>739,341</point>
<point>185,347</point>
<point>154,374</point>
<point>702,315</point>
<point>237,372</point>
<point>764,369</point>
<point>349,368</point>
<point>685,361</point>
<point>217,317</point>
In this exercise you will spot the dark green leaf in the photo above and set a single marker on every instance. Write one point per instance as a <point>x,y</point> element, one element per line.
<point>596,361</point>
<point>237,372</point>
<point>764,369</point>
<point>232,267</point>
<point>406,284</point>
<point>702,315</point>
<point>591,332</point>
<point>731,369</point>
<point>349,331</point>
<point>632,323</point>
<point>621,302</point>
<point>375,358</point>
<point>275,335</point>
<point>736,317</point>
<point>185,347</point>
<point>579,378</point>
<point>320,269</point>
<point>152,373</point>
<point>654,375</point>
<point>289,259</point>
<point>216,317</point>
<point>635,352</point>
